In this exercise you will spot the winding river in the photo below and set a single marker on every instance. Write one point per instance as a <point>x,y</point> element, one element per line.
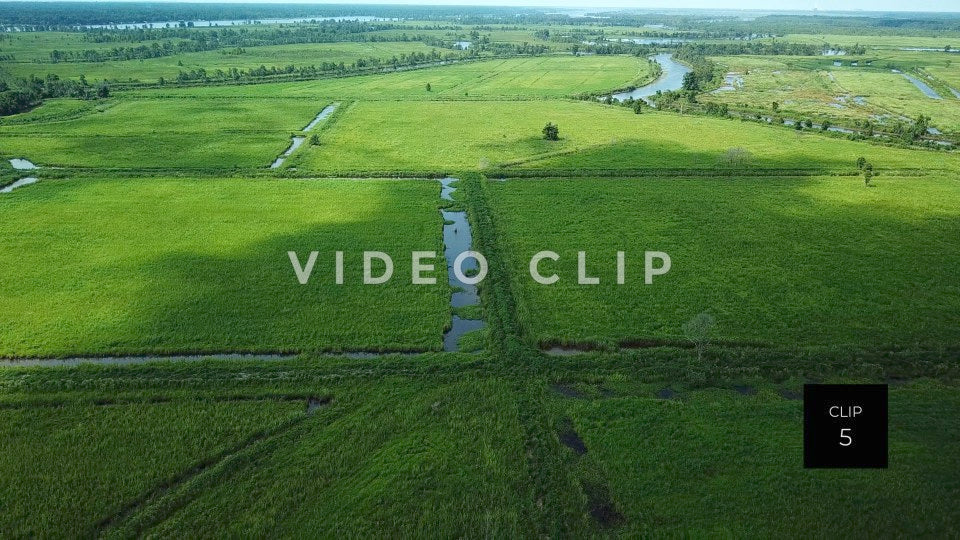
<point>671,78</point>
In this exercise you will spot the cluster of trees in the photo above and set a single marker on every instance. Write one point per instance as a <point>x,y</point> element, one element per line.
<point>637,105</point>
<point>514,49</point>
<point>909,132</point>
<point>774,48</point>
<point>612,47</point>
<point>703,71</point>
<point>24,94</point>
<point>154,50</point>
<point>913,131</point>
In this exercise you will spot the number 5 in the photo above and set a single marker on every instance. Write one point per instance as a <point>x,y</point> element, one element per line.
<point>843,436</point>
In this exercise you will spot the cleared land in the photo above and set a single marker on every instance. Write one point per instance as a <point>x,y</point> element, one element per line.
<point>790,262</point>
<point>132,266</point>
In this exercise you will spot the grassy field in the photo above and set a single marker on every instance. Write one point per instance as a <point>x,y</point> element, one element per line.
<point>404,135</point>
<point>128,265</point>
<point>158,133</point>
<point>738,472</point>
<point>813,87</point>
<point>280,56</point>
<point>85,462</point>
<point>662,141</point>
<point>894,93</point>
<point>413,457</point>
<point>875,41</point>
<point>437,452</point>
<point>512,78</point>
<point>792,262</point>
<point>37,46</point>
<point>157,229</point>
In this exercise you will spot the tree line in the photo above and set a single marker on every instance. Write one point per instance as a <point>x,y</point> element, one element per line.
<point>199,41</point>
<point>27,93</point>
<point>325,68</point>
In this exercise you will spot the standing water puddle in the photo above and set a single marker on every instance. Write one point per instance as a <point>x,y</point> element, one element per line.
<point>19,183</point>
<point>456,240</point>
<point>21,164</point>
<point>731,81</point>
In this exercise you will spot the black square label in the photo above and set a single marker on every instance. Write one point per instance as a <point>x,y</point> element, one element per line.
<point>845,426</point>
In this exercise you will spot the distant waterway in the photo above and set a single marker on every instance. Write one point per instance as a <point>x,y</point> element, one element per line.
<point>671,78</point>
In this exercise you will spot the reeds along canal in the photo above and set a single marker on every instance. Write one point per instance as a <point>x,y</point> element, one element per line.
<point>457,239</point>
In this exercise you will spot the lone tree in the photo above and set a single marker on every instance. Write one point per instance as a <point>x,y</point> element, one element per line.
<point>698,331</point>
<point>861,161</point>
<point>314,140</point>
<point>551,132</point>
<point>429,88</point>
<point>867,174</point>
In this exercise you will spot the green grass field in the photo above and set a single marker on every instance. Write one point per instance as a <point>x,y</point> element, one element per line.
<point>160,134</point>
<point>115,454</point>
<point>135,266</point>
<point>375,136</point>
<point>738,474</point>
<point>157,228</point>
<point>230,449</point>
<point>511,78</point>
<point>800,262</point>
<point>168,67</point>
